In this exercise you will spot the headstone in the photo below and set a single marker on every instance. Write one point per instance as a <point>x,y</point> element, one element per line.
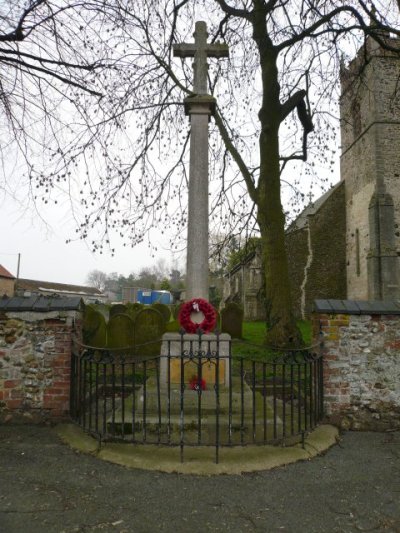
<point>133,309</point>
<point>120,332</point>
<point>149,328</point>
<point>104,310</point>
<point>94,327</point>
<point>164,310</point>
<point>117,309</point>
<point>232,320</point>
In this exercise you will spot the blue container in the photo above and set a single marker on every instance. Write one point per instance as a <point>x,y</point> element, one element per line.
<point>149,296</point>
<point>144,296</point>
<point>163,297</point>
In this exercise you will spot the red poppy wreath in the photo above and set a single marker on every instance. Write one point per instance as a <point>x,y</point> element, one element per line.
<point>197,305</point>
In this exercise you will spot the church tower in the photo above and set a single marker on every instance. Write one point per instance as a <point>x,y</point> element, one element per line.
<point>370,168</point>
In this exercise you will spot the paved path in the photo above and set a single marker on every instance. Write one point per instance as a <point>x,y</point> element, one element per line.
<point>47,487</point>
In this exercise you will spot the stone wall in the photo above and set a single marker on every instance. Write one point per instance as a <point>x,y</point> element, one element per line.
<point>316,253</point>
<point>35,359</point>
<point>244,285</point>
<point>370,160</point>
<point>361,369</point>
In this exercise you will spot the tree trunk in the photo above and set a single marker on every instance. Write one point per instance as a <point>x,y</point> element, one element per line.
<point>282,330</point>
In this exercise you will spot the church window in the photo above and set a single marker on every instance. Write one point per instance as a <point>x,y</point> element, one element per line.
<point>358,269</point>
<point>356,118</point>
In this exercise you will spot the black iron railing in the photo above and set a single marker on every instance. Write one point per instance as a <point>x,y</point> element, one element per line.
<point>196,393</point>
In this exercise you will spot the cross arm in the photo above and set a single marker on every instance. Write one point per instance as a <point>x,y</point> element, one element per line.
<point>212,50</point>
<point>184,50</point>
<point>218,50</point>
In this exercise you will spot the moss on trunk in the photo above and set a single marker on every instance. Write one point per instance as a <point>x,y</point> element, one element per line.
<point>282,330</point>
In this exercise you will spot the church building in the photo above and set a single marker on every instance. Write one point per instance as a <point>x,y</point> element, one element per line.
<point>346,244</point>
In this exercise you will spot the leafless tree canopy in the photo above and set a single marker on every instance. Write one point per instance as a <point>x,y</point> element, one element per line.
<point>93,100</point>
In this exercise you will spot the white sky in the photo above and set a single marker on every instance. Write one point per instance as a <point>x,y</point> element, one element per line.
<point>45,256</point>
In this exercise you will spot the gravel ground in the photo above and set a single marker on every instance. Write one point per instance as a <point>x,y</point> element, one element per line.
<point>47,487</point>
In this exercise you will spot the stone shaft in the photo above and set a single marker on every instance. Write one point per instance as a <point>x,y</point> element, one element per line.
<point>199,107</point>
<point>197,246</point>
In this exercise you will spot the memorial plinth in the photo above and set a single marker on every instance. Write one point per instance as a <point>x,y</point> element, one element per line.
<point>188,356</point>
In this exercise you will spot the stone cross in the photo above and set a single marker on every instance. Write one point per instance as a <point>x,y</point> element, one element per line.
<point>200,50</point>
<point>199,107</point>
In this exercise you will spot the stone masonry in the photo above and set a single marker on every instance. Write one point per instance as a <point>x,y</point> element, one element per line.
<point>35,360</point>
<point>361,369</point>
<point>199,106</point>
<point>370,163</point>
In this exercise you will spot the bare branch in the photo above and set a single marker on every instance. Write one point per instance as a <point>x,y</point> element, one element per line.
<point>236,156</point>
<point>232,11</point>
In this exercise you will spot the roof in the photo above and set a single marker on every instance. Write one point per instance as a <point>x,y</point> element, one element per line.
<point>40,303</point>
<point>249,257</point>
<point>4,273</point>
<point>312,208</point>
<point>357,307</point>
<point>299,223</point>
<point>60,288</point>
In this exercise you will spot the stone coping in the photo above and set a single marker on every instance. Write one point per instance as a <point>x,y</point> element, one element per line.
<point>40,303</point>
<point>357,307</point>
<point>174,336</point>
<point>200,460</point>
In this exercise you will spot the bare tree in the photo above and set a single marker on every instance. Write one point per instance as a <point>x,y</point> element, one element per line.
<point>126,156</point>
<point>98,279</point>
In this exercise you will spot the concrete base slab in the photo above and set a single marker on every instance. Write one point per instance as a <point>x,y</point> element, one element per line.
<point>200,460</point>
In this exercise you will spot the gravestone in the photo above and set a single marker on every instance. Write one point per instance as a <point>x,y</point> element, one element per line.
<point>94,328</point>
<point>133,309</point>
<point>232,320</point>
<point>149,327</point>
<point>118,309</point>
<point>120,332</point>
<point>104,310</point>
<point>164,310</point>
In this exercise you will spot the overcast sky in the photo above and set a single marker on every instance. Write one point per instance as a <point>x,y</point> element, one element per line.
<point>43,250</point>
<point>45,256</point>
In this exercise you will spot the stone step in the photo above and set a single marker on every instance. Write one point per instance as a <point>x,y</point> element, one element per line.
<point>154,432</point>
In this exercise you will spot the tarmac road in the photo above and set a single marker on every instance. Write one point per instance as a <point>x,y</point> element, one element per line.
<point>47,487</point>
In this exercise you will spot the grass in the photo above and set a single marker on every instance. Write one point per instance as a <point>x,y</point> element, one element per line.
<point>251,345</point>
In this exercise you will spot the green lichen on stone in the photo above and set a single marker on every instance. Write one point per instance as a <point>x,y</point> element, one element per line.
<point>164,310</point>
<point>149,328</point>
<point>94,327</point>
<point>118,309</point>
<point>232,320</point>
<point>104,310</point>
<point>120,331</point>
<point>133,309</point>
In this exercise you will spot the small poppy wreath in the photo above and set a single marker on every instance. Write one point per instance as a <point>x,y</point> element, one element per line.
<point>196,305</point>
<point>196,383</point>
